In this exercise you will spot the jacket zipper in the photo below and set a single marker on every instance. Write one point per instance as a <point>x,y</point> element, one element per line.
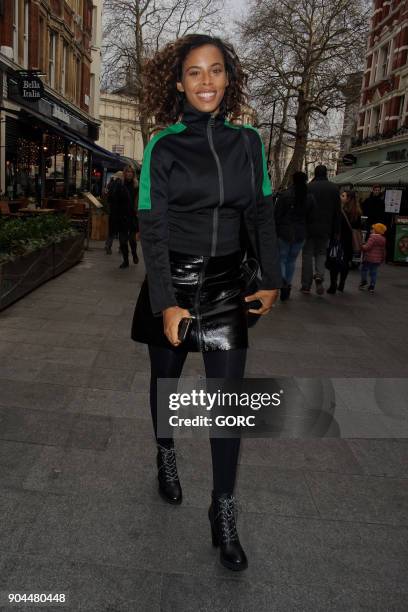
<point>210,126</point>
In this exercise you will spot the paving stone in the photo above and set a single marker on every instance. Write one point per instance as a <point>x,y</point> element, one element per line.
<point>35,395</point>
<point>16,461</point>
<point>381,457</point>
<point>369,499</point>
<point>182,593</point>
<point>34,426</point>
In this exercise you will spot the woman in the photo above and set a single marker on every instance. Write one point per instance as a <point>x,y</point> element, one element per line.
<point>123,220</point>
<point>350,220</point>
<point>293,210</point>
<point>195,186</point>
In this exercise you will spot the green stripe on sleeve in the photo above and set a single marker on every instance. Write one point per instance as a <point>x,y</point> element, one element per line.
<point>266,182</point>
<point>145,201</point>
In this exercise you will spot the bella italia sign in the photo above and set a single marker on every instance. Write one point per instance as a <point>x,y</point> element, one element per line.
<point>30,86</point>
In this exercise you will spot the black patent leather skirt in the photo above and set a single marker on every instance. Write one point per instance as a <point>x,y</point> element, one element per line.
<point>210,288</point>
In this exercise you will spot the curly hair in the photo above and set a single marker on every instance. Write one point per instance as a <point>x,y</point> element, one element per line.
<point>164,70</point>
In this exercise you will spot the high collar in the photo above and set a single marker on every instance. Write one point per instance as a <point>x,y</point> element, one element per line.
<point>194,117</point>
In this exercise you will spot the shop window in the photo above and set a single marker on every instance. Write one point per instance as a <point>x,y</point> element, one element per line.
<point>78,169</point>
<point>53,149</point>
<point>22,160</point>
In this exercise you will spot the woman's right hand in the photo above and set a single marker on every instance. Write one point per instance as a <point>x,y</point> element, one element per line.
<point>171,320</point>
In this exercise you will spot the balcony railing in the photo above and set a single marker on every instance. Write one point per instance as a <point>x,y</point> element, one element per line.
<point>401,131</point>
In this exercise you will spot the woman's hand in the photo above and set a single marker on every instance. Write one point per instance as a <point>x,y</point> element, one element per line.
<point>171,319</point>
<point>266,296</point>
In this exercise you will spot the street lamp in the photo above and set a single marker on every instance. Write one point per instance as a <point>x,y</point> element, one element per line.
<point>271,133</point>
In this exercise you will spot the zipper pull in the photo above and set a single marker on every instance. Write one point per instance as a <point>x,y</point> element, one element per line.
<point>212,121</point>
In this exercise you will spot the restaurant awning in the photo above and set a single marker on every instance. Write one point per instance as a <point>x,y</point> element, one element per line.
<point>386,173</point>
<point>102,154</point>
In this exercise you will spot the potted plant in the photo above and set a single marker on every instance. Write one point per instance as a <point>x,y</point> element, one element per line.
<point>33,250</point>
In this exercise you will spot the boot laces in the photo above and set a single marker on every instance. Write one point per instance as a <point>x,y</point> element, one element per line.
<point>168,457</point>
<point>228,514</point>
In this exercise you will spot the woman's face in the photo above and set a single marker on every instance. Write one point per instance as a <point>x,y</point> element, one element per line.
<point>204,78</point>
<point>344,197</point>
<point>128,175</point>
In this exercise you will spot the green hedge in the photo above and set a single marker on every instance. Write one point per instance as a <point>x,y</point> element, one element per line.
<point>19,236</point>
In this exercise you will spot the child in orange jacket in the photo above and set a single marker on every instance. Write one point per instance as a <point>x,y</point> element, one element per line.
<point>373,256</point>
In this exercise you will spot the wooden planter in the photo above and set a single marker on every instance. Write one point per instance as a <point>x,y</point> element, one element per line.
<point>100,226</point>
<point>19,277</point>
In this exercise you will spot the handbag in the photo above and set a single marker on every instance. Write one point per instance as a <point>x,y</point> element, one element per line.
<point>335,254</point>
<point>356,235</point>
<point>250,267</point>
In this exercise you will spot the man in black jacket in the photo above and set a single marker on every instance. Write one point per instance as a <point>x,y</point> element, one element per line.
<point>324,223</point>
<point>374,207</point>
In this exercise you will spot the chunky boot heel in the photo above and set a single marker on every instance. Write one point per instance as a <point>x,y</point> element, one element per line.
<point>223,515</point>
<point>169,484</point>
<point>214,537</point>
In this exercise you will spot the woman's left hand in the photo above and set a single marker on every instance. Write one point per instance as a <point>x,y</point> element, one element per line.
<point>267,297</point>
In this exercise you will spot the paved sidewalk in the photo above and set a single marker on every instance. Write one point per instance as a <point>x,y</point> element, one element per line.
<point>324,522</point>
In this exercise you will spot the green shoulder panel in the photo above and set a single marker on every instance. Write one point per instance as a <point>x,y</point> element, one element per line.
<point>145,202</point>
<point>266,183</point>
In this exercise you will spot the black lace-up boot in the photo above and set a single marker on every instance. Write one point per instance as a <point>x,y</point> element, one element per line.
<point>223,514</point>
<point>169,485</point>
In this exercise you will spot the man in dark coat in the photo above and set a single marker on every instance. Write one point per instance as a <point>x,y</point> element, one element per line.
<point>374,207</point>
<point>323,224</point>
<point>123,207</point>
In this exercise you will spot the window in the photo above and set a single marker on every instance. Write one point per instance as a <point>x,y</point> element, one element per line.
<point>78,80</point>
<point>401,112</point>
<point>64,66</point>
<point>41,43</point>
<point>375,121</point>
<point>26,32</point>
<point>51,59</point>
<point>374,68</point>
<point>385,56</point>
<point>15,31</point>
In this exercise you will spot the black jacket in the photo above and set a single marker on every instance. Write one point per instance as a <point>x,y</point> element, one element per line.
<point>326,217</point>
<point>195,186</point>
<point>122,199</point>
<point>374,209</point>
<point>290,219</point>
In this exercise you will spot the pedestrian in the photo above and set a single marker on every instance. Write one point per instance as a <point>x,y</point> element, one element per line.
<point>350,222</point>
<point>373,256</point>
<point>323,225</point>
<point>374,207</point>
<point>112,232</point>
<point>124,220</point>
<point>293,210</point>
<point>201,178</point>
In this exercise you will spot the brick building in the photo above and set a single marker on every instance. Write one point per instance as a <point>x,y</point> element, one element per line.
<point>49,116</point>
<point>382,130</point>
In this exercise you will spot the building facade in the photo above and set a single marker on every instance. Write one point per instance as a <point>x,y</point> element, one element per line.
<point>120,125</point>
<point>382,131</point>
<point>50,73</point>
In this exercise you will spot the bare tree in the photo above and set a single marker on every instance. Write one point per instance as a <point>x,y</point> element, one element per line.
<point>303,51</point>
<point>135,29</point>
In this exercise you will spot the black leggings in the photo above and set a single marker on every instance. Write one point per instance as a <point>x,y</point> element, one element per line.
<point>168,363</point>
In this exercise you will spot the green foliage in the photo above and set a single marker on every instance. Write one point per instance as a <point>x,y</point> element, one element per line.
<point>19,236</point>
